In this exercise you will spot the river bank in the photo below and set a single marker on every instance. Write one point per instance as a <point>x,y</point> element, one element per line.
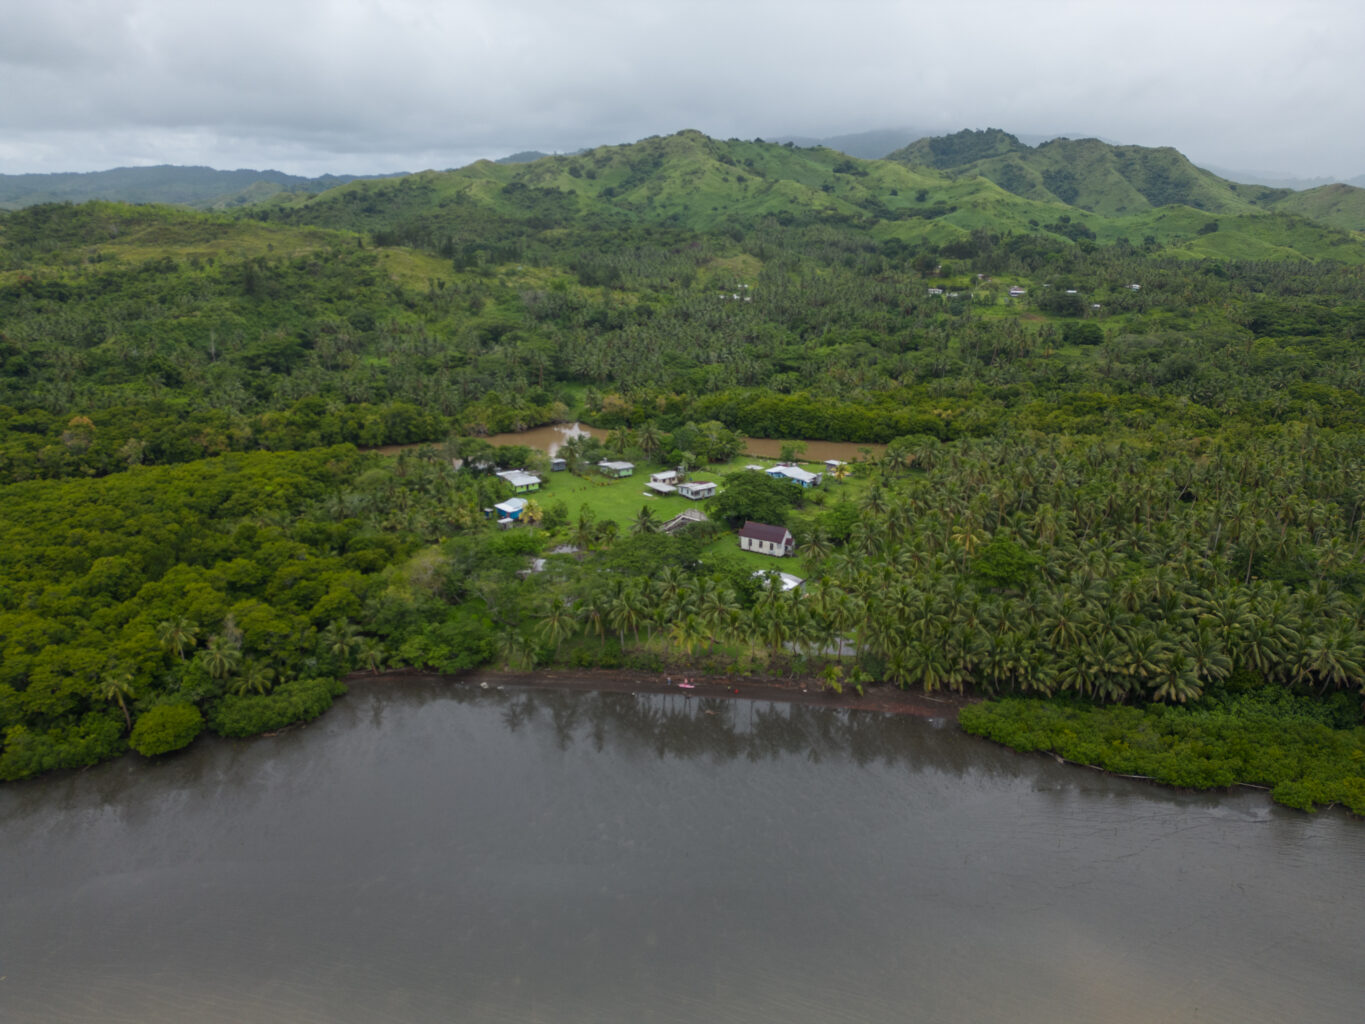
<point>885,698</point>
<point>1319,770</point>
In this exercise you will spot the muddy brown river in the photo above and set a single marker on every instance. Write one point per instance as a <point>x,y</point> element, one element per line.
<point>431,852</point>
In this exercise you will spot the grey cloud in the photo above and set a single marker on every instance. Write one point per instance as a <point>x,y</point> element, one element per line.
<point>312,85</point>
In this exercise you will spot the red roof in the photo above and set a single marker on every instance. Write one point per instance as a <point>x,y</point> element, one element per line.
<point>762,531</point>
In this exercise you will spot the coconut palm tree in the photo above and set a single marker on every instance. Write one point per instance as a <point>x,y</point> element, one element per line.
<point>649,439</point>
<point>339,640</point>
<point>644,521</point>
<point>255,677</point>
<point>116,686</point>
<point>370,653</point>
<point>221,657</point>
<point>717,610</point>
<point>512,649</point>
<point>177,635</point>
<point>556,623</point>
<point>686,633</point>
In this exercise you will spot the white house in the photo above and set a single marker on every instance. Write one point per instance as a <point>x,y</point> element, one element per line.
<point>664,482</point>
<point>767,540</point>
<point>616,469</point>
<point>697,489</point>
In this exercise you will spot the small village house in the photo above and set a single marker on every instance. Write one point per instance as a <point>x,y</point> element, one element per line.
<point>616,470</point>
<point>697,489</point>
<point>522,482</point>
<point>664,482</point>
<point>797,475</point>
<point>686,517</point>
<point>508,512</point>
<point>766,539</point>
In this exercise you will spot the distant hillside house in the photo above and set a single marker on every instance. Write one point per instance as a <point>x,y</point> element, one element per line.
<point>521,481</point>
<point>796,475</point>
<point>935,291</point>
<point>1134,287</point>
<point>832,464</point>
<point>767,540</point>
<point>697,489</point>
<point>616,469</point>
<point>558,465</point>
<point>1016,291</point>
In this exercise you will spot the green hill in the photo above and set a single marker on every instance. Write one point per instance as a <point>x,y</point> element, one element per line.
<point>1342,206</point>
<point>1087,173</point>
<point>937,191</point>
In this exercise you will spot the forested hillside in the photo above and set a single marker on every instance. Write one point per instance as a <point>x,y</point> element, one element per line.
<point>1115,181</point>
<point>1123,452</point>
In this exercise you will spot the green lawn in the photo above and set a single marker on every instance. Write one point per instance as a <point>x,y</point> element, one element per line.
<point>621,501</point>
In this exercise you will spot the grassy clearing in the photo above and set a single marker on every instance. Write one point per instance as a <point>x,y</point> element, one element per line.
<point>621,500</point>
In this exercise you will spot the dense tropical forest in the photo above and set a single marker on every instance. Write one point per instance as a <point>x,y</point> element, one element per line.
<point>1110,470</point>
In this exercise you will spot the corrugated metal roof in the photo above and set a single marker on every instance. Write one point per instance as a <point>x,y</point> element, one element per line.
<point>764,531</point>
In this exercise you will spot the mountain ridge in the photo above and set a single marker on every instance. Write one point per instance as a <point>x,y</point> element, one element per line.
<point>689,180</point>
<point>196,186</point>
<point>1117,180</point>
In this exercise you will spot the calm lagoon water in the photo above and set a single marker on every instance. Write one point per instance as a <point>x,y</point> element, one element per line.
<point>429,852</point>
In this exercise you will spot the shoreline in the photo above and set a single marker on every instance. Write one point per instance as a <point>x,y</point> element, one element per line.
<point>885,698</point>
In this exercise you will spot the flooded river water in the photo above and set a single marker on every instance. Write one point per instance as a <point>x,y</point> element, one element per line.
<point>433,852</point>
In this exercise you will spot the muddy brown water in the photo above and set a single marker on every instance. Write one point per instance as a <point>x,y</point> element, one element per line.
<point>435,852</point>
<point>550,439</point>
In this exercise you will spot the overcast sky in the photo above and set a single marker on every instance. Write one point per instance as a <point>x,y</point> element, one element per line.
<point>364,86</point>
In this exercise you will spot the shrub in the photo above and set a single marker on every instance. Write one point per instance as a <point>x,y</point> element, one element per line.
<point>165,728</point>
<point>93,739</point>
<point>301,700</point>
